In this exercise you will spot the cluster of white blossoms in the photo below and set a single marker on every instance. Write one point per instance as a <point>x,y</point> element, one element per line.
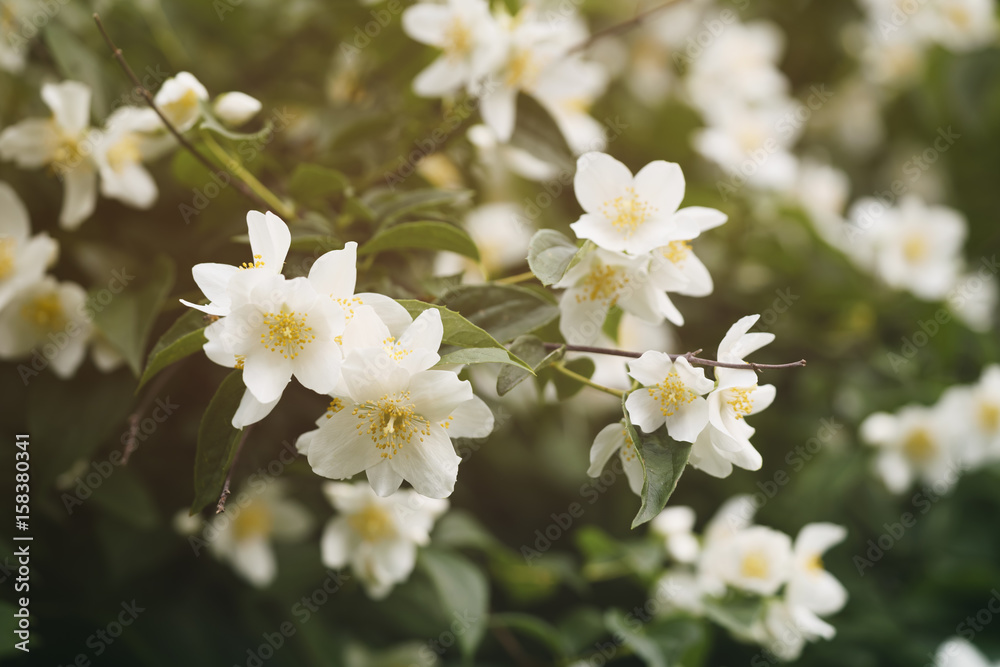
<point>640,246</point>
<point>81,155</point>
<point>936,444</point>
<point>897,34</point>
<point>391,414</point>
<point>494,56</point>
<point>959,652</point>
<point>709,414</point>
<point>40,315</point>
<point>377,537</point>
<point>736,558</point>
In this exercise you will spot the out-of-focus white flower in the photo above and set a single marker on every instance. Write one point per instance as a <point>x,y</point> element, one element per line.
<point>612,439</point>
<point>59,142</point>
<point>23,258</point>
<point>633,214</point>
<point>180,98</point>
<point>671,395</point>
<point>958,652</point>
<point>396,423</point>
<point>501,234</point>
<point>378,537</point>
<point>916,442</point>
<point>472,41</point>
<point>676,525</point>
<point>566,90</point>
<point>974,414</point>
<point>14,43</point>
<point>236,108</point>
<point>756,559</point>
<point>50,316</point>
<point>812,591</point>
<point>498,159</point>
<point>959,25</point>
<point>603,279</point>
<point>675,267</point>
<point>130,137</point>
<point>974,300</point>
<point>242,536</point>
<point>739,67</point>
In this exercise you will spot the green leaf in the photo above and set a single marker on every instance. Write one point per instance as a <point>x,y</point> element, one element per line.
<point>619,625</point>
<point>736,613</point>
<point>506,311</point>
<point>550,254</point>
<point>532,626</point>
<point>659,642</point>
<point>482,355</point>
<point>426,235</point>
<point>184,337</point>
<point>459,331</point>
<point>389,206</point>
<point>532,350</point>
<point>313,183</point>
<point>217,442</point>
<point>663,461</point>
<point>126,320</point>
<point>125,496</point>
<point>568,387</point>
<point>462,588</point>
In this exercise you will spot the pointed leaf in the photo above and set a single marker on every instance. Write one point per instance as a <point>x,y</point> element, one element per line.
<point>462,589</point>
<point>217,442</point>
<point>425,235</point>
<point>184,337</point>
<point>550,254</point>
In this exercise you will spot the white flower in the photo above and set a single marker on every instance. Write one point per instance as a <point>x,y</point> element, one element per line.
<point>756,559</point>
<point>960,25</point>
<point>915,442</point>
<point>129,138</point>
<point>675,524</point>
<point>740,66</point>
<point>635,214</point>
<point>284,328</point>
<point>468,34</point>
<point>974,301</point>
<point>566,90</point>
<point>49,316</point>
<point>726,441</point>
<point>603,279</point>
<point>919,248</point>
<point>396,424</point>
<point>672,395</point>
<point>810,587</point>
<point>14,43</point>
<point>675,268</point>
<point>23,258</point>
<point>611,439</point>
<point>242,535</point>
<point>986,411</point>
<point>236,108</point>
<point>59,142</point>
<point>179,98</point>
<point>958,652</point>
<point>377,536</point>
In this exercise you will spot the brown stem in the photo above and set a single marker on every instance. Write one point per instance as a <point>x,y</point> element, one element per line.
<point>135,418</point>
<point>625,26</point>
<point>690,356</point>
<point>220,507</point>
<point>148,97</point>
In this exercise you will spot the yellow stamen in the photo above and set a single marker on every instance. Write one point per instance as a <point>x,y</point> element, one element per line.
<point>740,401</point>
<point>372,523</point>
<point>392,422</point>
<point>603,284</point>
<point>45,312</point>
<point>915,249</point>
<point>989,417</point>
<point>457,39</point>
<point>919,446</point>
<point>124,152</point>
<point>627,213</point>
<point>8,247</point>
<point>754,566</point>
<point>677,251</point>
<point>257,263</point>
<point>253,520</point>
<point>671,394</point>
<point>287,334</point>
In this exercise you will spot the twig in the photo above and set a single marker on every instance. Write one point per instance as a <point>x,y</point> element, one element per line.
<point>135,419</point>
<point>625,26</point>
<point>559,367</point>
<point>148,96</point>
<point>690,356</point>
<point>513,280</point>
<point>220,507</point>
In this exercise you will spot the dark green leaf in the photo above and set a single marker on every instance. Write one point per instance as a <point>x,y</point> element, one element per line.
<point>463,589</point>
<point>567,387</point>
<point>184,337</point>
<point>313,183</point>
<point>427,235</point>
<point>537,133</point>
<point>532,350</point>
<point>532,626</point>
<point>217,442</point>
<point>663,461</point>
<point>482,355</point>
<point>128,317</point>
<point>389,205</point>
<point>550,254</point>
<point>123,495</point>
<point>506,311</point>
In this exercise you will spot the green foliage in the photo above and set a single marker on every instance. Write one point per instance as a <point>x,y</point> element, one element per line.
<point>421,235</point>
<point>218,441</point>
<point>550,255</point>
<point>185,337</point>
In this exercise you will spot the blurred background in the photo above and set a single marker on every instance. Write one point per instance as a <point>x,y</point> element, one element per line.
<point>846,100</point>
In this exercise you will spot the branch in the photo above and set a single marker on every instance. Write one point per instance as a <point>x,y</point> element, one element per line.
<point>625,26</point>
<point>135,419</point>
<point>221,505</point>
<point>148,96</point>
<point>690,356</point>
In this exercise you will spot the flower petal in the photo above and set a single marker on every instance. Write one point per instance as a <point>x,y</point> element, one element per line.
<point>269,238</point>
<point>660,184</point>
<point>80,185</point>
<point>430,465</point>
<point>340,450</point>
<point>335,273</point>
<point>471,419</point>
<point>608,441</point>
<point>383,479</point>
<point>599,180</point>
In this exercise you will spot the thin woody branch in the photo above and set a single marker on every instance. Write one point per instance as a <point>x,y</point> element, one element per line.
<point>148,97</point>
<point>220,507</point>
<point>624,26</point>
<point>690,356</point>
